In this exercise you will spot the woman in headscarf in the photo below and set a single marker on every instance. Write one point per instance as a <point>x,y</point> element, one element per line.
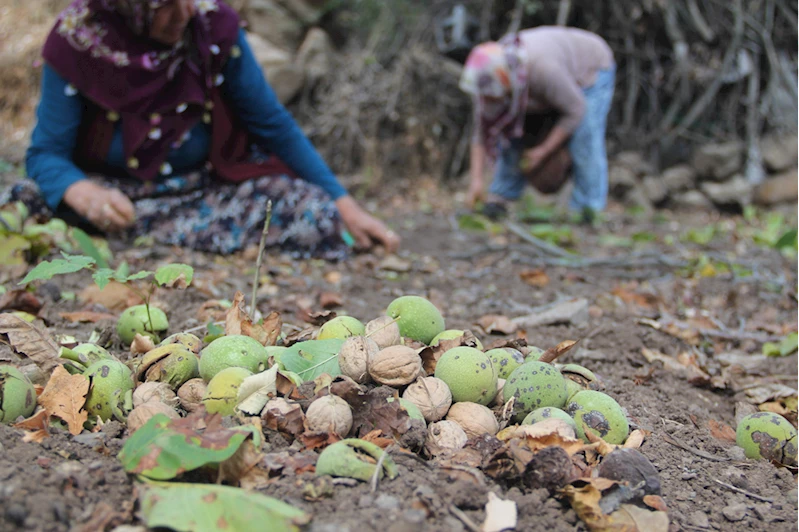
<point>565,70</point>
<point>155,118</point>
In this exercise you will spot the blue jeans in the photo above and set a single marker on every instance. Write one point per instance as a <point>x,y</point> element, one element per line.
<point>586,147</point>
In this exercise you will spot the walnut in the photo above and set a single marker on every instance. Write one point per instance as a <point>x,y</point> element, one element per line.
<point>353,358</point>
<point>329,414</point>
<point>384,331</point>
<point>474,419</point>
<point>147,392</point>
<point>142,414</point>
<point>396,365</point>
<point>191,394</point>
<point>444,435</point>
<point>431,396</point>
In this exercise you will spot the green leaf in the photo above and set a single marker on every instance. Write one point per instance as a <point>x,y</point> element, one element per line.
<point>787,346</point>
<point>86,244</point>
<point>164,448</point>
<point>12,250</point>
<point>478,222</point>
<point>787,240</point>
<point>47,269</point>
<point>167,275</point>
<point>214,331</point>
<point>103,276</point>
<point>122,271</point>
<point>135,276</point>
<point>311,358</point>
<point>701,236</point>
<point>211,508</point>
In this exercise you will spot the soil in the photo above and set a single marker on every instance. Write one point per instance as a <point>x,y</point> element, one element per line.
<point>76,483</point>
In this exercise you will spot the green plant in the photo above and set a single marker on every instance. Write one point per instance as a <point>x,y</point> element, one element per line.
<point>171,275</point>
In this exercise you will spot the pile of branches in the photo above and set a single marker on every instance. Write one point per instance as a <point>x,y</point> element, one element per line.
<point>689,72</point>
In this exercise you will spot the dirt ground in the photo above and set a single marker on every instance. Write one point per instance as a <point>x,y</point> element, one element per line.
<point>76,483</point>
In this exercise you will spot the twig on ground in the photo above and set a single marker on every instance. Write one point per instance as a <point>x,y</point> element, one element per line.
<point>743,492</point>
<point>537,242</point>
<point>378,469</point>
<point>697,452</point>
<point>463,518</point>
<point>261,247</point>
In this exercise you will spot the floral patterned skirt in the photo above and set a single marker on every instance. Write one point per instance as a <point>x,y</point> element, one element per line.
<point>200,212</point>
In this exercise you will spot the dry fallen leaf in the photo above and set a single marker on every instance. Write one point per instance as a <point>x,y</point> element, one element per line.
<point>329,300</point>
<point>500,514</point>
<point>64,397</point>
<point>544,434</point>
<point>114,296</point>
<point>86,316</point>
<point>36,427</point>
<point>238,322</point>
<point>20,300</point>
<point>538,277</point>
<point>635,439</point>
<point>720,431</point>
<point>552,353</point>
<point>492,323</point>
<point>31,340</point>
<point>631,517</point>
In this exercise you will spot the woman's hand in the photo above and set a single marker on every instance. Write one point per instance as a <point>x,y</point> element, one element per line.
<point>533,158</point>
<point>475,193</point>
<point>108,209</point>
<point>365,228</point>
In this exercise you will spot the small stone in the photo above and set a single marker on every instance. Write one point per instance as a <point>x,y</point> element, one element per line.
<point>779,151</point>
<point>679,178</point>
<point>779,188</point>
<point>699,519</point>
<point>387,502</point>
<point>736,192</point>
<point>654,189</point>
<point>692,200</point>
<point>792,495</point>
<point>688,476</point>
<point>734,512</point>
<point>718,161</point>
<point>414,516</point>
<point>16,513</point>
<point>60,512</point>
<point>366,501</point>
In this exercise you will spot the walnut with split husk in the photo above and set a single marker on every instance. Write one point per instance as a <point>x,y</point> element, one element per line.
<point>396,365</point>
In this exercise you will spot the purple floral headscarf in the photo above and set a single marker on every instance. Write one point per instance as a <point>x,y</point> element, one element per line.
<point>496,70</point>
<point>158,92</point>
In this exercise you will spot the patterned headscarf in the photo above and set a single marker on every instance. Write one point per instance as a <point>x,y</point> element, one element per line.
<point>496,77</point>
<point>158,92</point>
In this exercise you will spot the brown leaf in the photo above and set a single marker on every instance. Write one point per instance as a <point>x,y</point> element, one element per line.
<point>544,434</point>
<point>376,438</point>
<point>114,296</point>
<point>20,300</point>
<point>106,517</point>
<point>656,502</point>
<point>554,352</point>
<point>329,300</point>
<point>635,439</point>
<point>141,344</point>
<point>720,431</point>
<point>492,323</point>
<point>431,354</point>
<point>628,295</point>
<point>212,310</point>
<point>178,282</point>
<point>64,397</point>
<point>372,411</point>
<point>86,316</point>
<point>31,340</point>
<point>318,440</point>
<point>535,277</point>
<point>238,322</point>
<point>36,427</point>
<point>584,496</point>
<point>290,424</point>
<point>240,465</point>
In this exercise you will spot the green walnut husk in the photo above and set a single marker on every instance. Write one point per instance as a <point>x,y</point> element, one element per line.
<point>82,356</point>
<point>189,341</point>
<point>346,459</point>
<point>177,368</point>
<point>135,320</point>
<point>768,435</point>
<point>223,390</point>
<point>111,391</point>
<point>17,396</point>
<point>599,413</point>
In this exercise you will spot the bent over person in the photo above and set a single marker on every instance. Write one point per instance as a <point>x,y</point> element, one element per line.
<point>545,69</point>
<point>155,118</point>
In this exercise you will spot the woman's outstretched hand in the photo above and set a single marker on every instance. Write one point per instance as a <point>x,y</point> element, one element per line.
<point>365,228</point>
<point>108,209</point>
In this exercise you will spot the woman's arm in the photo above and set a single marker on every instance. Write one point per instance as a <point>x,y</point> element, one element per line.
<point>48,160</point>
<point>258,107</point>
<point>270,122</point>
